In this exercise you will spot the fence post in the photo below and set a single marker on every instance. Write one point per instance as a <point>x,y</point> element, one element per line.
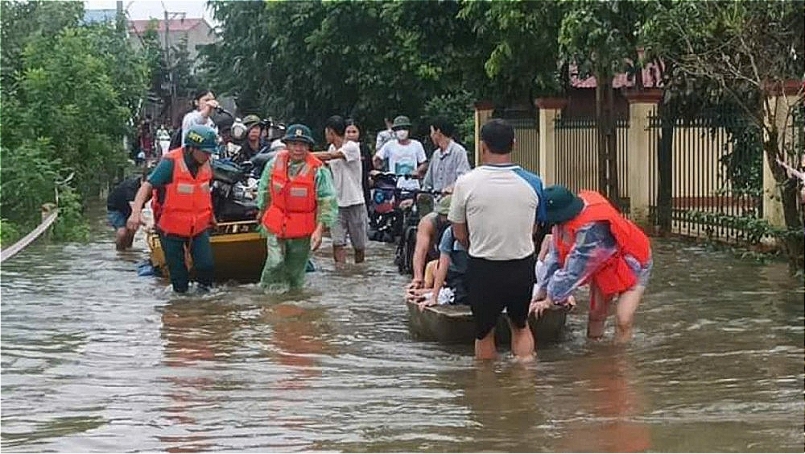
<point>641,107</point>
<point>549,110</point>
<point>483,111</point>
<point>782,101</point>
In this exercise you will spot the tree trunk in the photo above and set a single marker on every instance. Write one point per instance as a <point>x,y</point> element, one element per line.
<point>601,136</point>
<point>665,169</point>
<point>793,240</point>
<point>612,146</point>
<point>607,139</point>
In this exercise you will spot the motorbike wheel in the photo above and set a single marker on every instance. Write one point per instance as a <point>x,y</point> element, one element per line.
<point>409,245</point>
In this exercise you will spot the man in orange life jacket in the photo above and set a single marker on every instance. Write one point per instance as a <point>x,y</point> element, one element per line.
<point>593,244</point>
<point>183,213</point>
<point>297,201</point>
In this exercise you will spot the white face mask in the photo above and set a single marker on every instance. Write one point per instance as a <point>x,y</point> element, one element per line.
<point>401,134</point>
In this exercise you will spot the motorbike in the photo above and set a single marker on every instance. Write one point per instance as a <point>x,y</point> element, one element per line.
<point>236,175</point>
<point>234,191</point>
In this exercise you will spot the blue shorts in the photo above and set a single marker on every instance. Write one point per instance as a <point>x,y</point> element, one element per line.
<point>116,219</point>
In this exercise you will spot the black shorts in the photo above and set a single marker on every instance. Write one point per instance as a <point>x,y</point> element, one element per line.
<point>496,285</point>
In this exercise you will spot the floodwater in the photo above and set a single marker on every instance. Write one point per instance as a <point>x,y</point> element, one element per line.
<point>95,358</point>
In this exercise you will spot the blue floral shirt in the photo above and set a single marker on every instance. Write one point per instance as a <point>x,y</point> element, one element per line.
<point>594,245</point>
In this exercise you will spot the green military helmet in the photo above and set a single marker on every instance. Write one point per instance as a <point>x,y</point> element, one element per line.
<point>202,137</point>
<point>401,122</point>
<point>299,133</point>
<point>251,120</point>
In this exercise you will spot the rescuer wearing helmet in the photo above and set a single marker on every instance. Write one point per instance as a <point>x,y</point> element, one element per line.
<point>297,201</point>
<point>183,211</point>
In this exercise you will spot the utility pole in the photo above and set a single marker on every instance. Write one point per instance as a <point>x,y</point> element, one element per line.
<point>120,20</point>
<point>171,85</point>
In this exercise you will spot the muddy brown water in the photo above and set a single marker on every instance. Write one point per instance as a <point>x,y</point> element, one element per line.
<point>95,358</point>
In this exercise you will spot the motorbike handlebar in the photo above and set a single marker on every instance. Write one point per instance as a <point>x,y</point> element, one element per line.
<point>419,191</point>
<point>220,109</point>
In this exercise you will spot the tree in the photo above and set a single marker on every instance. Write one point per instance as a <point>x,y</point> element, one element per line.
<point>304,61</point>
<point>21,21</point>
<point>65,111</point>
<point>156,63</point>
<point>746,50</point>
<point>183,69</point>
<point>522,61</point>
<point>601,39</point>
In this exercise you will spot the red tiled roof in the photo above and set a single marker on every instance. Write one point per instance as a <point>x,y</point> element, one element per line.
<point>174,25</point>
<point>651,79</point>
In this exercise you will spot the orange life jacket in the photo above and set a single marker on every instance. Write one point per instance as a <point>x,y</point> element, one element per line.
<point>186,210</point>
<point>614,276</point>
<point>292,213</point>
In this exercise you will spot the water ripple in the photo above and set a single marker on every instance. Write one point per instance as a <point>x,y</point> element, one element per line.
<point>95,358</point>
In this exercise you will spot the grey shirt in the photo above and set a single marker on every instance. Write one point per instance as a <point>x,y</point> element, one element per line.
<point>446,166</point>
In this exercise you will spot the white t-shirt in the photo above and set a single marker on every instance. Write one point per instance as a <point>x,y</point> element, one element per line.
<point>499,205</point>
<point>195,118</point>
<point>403,159</point>
<point>347,174</point>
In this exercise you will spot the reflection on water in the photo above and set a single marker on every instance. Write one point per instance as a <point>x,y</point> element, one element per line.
<point>95,358</point>
<point>608,392</point>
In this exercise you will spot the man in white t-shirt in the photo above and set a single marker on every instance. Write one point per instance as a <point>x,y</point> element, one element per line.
<point>406,156</point>
<point>385,135</point>
<point>344,159</point>
<point>494,213</point>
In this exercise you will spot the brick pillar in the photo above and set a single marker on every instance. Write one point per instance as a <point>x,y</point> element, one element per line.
<point>641,106</point>
<point>549,110</point>
<point>483,112</point>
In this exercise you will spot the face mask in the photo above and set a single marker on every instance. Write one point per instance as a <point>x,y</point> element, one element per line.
<point>402,134</point>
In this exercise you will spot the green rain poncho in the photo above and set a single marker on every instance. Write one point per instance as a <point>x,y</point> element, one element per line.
<point>286,259</point>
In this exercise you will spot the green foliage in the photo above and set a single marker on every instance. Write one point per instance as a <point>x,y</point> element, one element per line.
<point>29,173</point>
<point>458,109</point>
<point>21,21</point>
<point>164,66</point>
<point>182,68</point>
<point>72,90</point>
<point>738,50</point>
<point>599,36</point>
<point>305,61</point>
<point>523,61</point>
<point>70,225</point>
<point>752,229</point>
<point>65,110</point>
<point>9,232</point>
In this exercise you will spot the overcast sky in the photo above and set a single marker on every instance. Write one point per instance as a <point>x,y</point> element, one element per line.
<point>146,9</point>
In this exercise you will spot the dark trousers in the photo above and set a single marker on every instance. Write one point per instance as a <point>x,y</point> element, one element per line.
<point>200,251</point>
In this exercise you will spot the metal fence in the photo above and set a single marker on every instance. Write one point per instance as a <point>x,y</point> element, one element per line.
<point>716,174</point>
<point>526,136</point>
<point>576,143</point>
<point>526,147</point>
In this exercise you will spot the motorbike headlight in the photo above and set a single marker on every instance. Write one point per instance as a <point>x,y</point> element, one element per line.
<point>238,131</point>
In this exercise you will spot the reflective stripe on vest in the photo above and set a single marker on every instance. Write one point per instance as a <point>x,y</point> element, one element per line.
<point>614,276</point>
<point>187,208</point>
<point>292,213</point>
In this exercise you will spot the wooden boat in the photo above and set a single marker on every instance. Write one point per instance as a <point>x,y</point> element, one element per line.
<point>450,324</point>
<point>238,250</point>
